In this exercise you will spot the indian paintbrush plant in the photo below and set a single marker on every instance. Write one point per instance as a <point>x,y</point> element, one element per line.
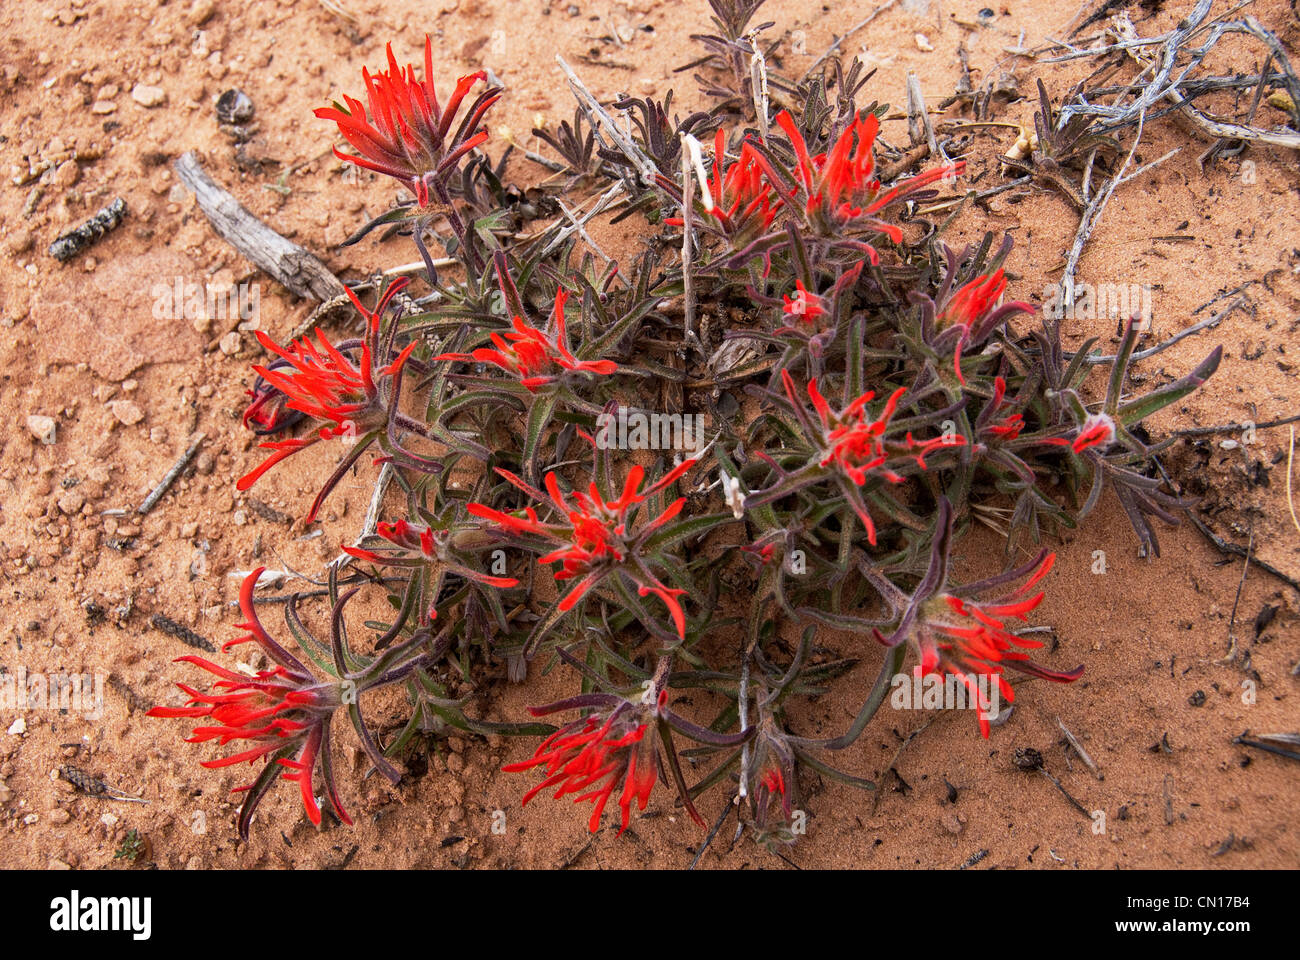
<point>871,397</point>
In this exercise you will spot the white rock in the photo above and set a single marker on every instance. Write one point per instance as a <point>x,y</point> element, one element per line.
<point>43,429</point>
<point>18,727</point>
<point>127,412</point>
<point>148,96</point>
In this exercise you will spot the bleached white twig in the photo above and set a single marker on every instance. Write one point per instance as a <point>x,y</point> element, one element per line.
<point>601,119</point>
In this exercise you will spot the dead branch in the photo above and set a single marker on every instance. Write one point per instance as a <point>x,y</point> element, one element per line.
<point>299,270</point>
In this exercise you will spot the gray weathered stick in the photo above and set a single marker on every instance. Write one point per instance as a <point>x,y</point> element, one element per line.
<point>919,126</point>
<point>1078,749</point>
<point>688,289</point>
<point>299,270</point>
<point>830,51</point>
<point>603,122</point>
<point>164,485</point>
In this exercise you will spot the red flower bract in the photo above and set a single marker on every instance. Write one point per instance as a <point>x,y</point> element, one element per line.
<point>419,543</point>
<point>856,446</point>
<point>1008,427</point>
<point>283,712</point>
<point>594,541</point>
<point>339,388</point>
<point>592,755</point>
<point>744,204</point>
<point>409,136</point>
<point>535,357</point>
<point>968,639</point>
<point>803,305</point>
<point>838,186</point>
<point>973,310</point>
<point>1097,431</point>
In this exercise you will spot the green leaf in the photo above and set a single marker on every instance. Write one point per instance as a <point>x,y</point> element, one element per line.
<point>1138,410</point>
<point>539,417</point>
<point>674,533</point>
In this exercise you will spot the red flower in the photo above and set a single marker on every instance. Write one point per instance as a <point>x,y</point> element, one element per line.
<point>1098,430</point>
<point>419,543</point>
<point>267,413</point>
<point>838,186</point>
<point>409,136</point>
<point>804,305</point>
<point>1009,427</point>
<point>974,311</point>
<point>594,541</point>
<point>774,781</point>
<point>957,635</point>
<point>534,356</point>
<point>772,802</point>
<point>960,637</point>
<point>974,299</point>
<point>341,394</point>
<point>744,205</point>
<point>856,445</point>
<point>592,755</point>
<point>283,712</point>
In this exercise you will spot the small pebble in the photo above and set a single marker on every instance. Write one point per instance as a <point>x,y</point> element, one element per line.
<point>148,96</point>
<point>201,12</point>
<point>233,107</point>
<point>127,412</point>
<point>67,174</point>
<point>42,428</point>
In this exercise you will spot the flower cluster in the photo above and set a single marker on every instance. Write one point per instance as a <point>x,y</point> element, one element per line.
<point>283,712</point>
<point>838,188</point>
<point>804,306</point>
<point>1007,426</point>
<point>741,203</point>
<point>419,544</point>
<point>409,135</point>
<point>1097,431</point>
<point>592,755</point>
<point>973,314</point>
<point>536,357</point>
<point>965,638</point>
<point>956,635</point>
<point>347,391</point>
<point>593,541</point>
<point>858,447</point>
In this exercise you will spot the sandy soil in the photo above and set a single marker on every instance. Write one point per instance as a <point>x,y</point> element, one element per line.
<point>1157,708</point>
